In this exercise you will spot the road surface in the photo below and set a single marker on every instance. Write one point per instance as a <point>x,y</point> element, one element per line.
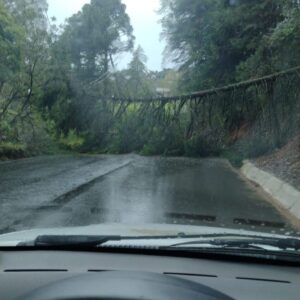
<point>60,191</point>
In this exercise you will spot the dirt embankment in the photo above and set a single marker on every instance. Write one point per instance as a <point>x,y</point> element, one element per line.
<point>284,163</point>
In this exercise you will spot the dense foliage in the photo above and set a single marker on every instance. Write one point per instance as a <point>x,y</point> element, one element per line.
<point>58,85</point>
<point>225,41</point>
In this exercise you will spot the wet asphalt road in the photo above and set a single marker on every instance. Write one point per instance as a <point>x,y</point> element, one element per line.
<point>63,191</point>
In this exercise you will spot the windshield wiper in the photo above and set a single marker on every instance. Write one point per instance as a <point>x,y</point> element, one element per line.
<point>94,240</point>
<point>227,241</point>
<point>254,243</point>
<point>70,240</point>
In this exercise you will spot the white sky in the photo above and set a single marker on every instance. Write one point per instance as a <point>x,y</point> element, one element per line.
<point>144,20</point>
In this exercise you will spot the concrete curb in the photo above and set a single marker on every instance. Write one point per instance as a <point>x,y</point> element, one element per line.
<point>287,196</point>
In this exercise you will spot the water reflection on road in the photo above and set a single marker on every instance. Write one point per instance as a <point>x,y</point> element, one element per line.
<point>157,190</point>
<point>165,190</point>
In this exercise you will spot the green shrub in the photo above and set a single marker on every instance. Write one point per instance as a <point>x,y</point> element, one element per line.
<point>12,151</point>
<point>167,141</point>
<point>236,158</point>
<point>149,150</point>
<point>72,141</point>
<point>249,147</point>
<point>204,145</point>
<point>254,146</point>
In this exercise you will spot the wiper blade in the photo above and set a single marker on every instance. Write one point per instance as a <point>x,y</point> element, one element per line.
<point>289,244</point>
<point>70,240</point>
<point>214,240</point>
<point>88,240</point>
<point>254,243</point>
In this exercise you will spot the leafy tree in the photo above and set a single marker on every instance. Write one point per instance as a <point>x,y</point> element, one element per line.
<point>217,42</point>
<point>10,37</point>
<point>93,36</point>
<point>210,39</point>
<point>279,49</point>
<point>20,93</point>
<point>83,56</point>
<point>30,14</point>
<point>31,17</point>
<point>138,75</point>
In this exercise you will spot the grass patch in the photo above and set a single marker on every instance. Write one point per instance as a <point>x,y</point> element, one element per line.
<point>10,150</point>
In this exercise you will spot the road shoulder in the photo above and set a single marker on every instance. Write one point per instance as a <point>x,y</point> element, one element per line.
<point>285,195</point>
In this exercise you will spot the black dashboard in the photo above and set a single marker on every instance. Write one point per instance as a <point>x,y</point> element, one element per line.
<point>36,274</point>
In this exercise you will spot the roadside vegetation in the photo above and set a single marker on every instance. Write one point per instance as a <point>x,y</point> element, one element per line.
<point>60,88</point>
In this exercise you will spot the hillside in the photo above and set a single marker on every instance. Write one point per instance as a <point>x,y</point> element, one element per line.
<point>284,163</point>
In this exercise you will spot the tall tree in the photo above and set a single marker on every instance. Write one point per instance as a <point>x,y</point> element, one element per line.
<point>85,54</point>
<point>31,17</point>
<point>138,80</point>
<point>10,38</point>
<point>93,36</point>
<point>211,38</point>
<point>279,49</point>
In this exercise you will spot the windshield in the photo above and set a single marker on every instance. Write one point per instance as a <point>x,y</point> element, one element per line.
<point>162,117</point>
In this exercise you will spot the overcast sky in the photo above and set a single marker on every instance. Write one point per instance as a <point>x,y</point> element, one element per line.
<point>144,20</point>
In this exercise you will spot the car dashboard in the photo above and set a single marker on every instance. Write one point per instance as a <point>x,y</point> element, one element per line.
<point>23,272</point>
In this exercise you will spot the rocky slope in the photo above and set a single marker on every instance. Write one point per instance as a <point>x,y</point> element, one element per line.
<point>284,163</point>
